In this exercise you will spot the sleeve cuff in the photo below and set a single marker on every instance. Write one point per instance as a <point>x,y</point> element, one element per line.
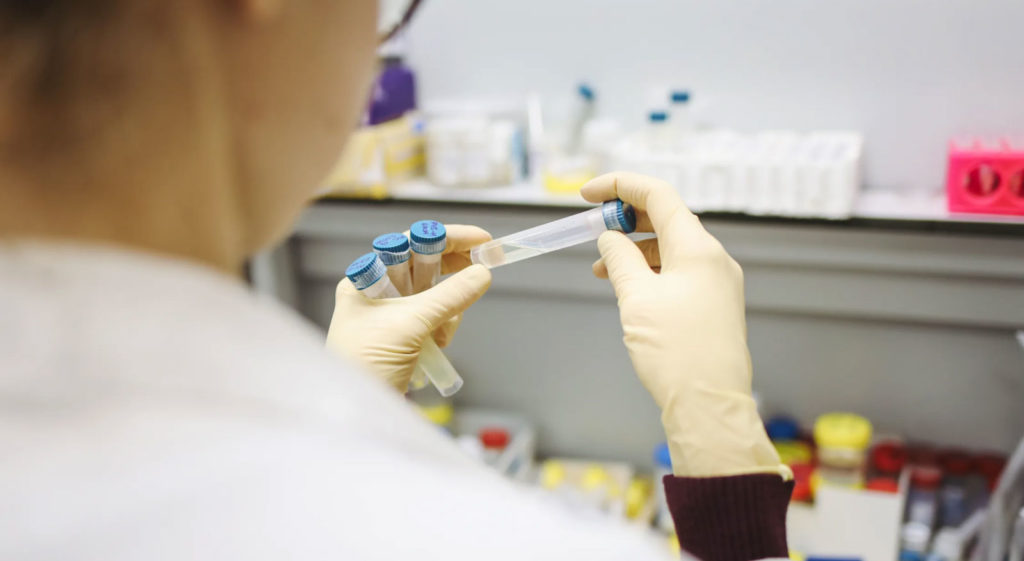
<point>731,518</point>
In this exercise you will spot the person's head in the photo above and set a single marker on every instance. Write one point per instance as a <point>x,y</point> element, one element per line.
<point>226,111</point>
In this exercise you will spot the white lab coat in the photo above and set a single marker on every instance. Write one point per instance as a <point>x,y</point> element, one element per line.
<point>153,409</point>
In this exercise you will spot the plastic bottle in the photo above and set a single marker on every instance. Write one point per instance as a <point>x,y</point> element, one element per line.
<point>583,113</point>
<point>494,440</point>
<point>954,504</point>
<point>394,90</point>
<point>922,499</point>
<point>842,440</point>
<point>658,136</point>
<point>679,114</point>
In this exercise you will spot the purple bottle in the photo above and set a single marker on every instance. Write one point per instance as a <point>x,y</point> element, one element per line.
<point>394,91</point>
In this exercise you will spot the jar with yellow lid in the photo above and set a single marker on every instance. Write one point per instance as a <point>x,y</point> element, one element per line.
<point>843,440</point>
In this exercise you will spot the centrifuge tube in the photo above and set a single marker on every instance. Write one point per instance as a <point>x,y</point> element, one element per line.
<point>369,275</point>
<point>428,239</point>
<point>393,250</point>
<point>569,231</point>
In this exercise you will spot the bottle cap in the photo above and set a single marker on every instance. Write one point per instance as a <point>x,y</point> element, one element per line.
<point>956,462</point>
<point>552,474</point>
<point>926,477</point>
<point>680,96</point>
<point>494,438</point>
<point>619,216</point>
<point>392,248</point>
<point>586,92</point>
<point>657,116</point>
<point>661,456</point>
<point>428,237</point>
<point>889,456</point>
<point>883,485</point>
<point>366,270</point>
<point>842,430</point>
<point>782,428</point>
<point>440,414</point>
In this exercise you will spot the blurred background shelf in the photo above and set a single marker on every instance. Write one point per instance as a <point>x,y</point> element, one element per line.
<point>874,208</point>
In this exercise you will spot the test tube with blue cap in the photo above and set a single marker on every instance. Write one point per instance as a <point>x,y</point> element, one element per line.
<point>427,241</point>
<point>566,232</point>
<point>370,276</point>
<point>393,250</point>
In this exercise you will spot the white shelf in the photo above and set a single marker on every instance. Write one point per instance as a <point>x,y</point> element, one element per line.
<point>871,204</point>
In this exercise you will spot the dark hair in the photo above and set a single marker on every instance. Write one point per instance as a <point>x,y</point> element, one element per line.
<point>48,49</point>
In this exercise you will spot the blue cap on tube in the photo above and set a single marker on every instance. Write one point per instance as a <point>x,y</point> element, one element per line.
<point>782,429</point>
<point>428,237</point>
<point>619,216</point>
<point>366,270</point>
<point>392,248</point>
<point>657,116</point>
<point>661,456</point>
<point>586,92</point>
<point>679,96</point>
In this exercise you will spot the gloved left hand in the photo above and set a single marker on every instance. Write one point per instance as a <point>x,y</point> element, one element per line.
<point>386,335</point>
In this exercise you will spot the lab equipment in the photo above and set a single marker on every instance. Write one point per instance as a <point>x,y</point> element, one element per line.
<point>922,500</point>
<point>679,113</point>
<point>581,115</point>
<point>494,441</point>
<point>393,250</point>
<point>662,468</point>
<point>475,143</point>
<point>986,175</point>
<point>954,499</point>
<point>842,440</point>
<point>569,231</point>
<point>428,239</point>
<point>369,275</point>
<point>783,173</point>
<point>659,138</point>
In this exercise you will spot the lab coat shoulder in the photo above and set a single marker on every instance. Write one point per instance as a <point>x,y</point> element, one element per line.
<point>159,411</point>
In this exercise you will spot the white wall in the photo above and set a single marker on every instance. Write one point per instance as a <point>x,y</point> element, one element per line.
<point>909,73</point>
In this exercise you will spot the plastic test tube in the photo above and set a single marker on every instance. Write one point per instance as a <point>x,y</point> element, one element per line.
<point>393,250</point>
<point>569,231</point>
<point>369,274</point>
<point>428,239</point>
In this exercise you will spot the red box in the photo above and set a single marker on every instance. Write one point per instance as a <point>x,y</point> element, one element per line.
<point>985,176</point>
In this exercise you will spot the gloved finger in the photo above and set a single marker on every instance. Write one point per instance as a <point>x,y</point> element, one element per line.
<point>443,335</point>
<point>648,247</point>
<point>624,261</point>
<point>451,297</point>
<point>461,239</point>
<point>681,233</point>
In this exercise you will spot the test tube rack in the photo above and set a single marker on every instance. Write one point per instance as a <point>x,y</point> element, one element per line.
<point>784,173</point>
<point>986,176</point>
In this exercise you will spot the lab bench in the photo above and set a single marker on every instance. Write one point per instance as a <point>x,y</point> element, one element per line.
<point>908,321</point>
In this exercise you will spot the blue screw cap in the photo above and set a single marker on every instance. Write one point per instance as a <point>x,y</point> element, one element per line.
<point>428,237</point>
<point>619,216</point>
<point>657,116</point>
<point>392,248</point>
<point>782,429</point>
<point>679,96</point>
<point>366,270</point>
<point>661,456</point>
<point>586,92</point>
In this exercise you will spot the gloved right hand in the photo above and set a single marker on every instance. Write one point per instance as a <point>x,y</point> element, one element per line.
<point>682,310</point>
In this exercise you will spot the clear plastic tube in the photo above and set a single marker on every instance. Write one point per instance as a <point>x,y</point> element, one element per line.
<point>566,232</point>
<point>369,275</point>
<point>393,250</point>
<point>427,241</point>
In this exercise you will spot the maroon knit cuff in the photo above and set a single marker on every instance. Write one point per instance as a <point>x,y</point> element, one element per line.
<point>735,518</point>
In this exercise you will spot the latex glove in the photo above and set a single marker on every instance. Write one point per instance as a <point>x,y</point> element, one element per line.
<point>682,310</point>
<point>386,335</point>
